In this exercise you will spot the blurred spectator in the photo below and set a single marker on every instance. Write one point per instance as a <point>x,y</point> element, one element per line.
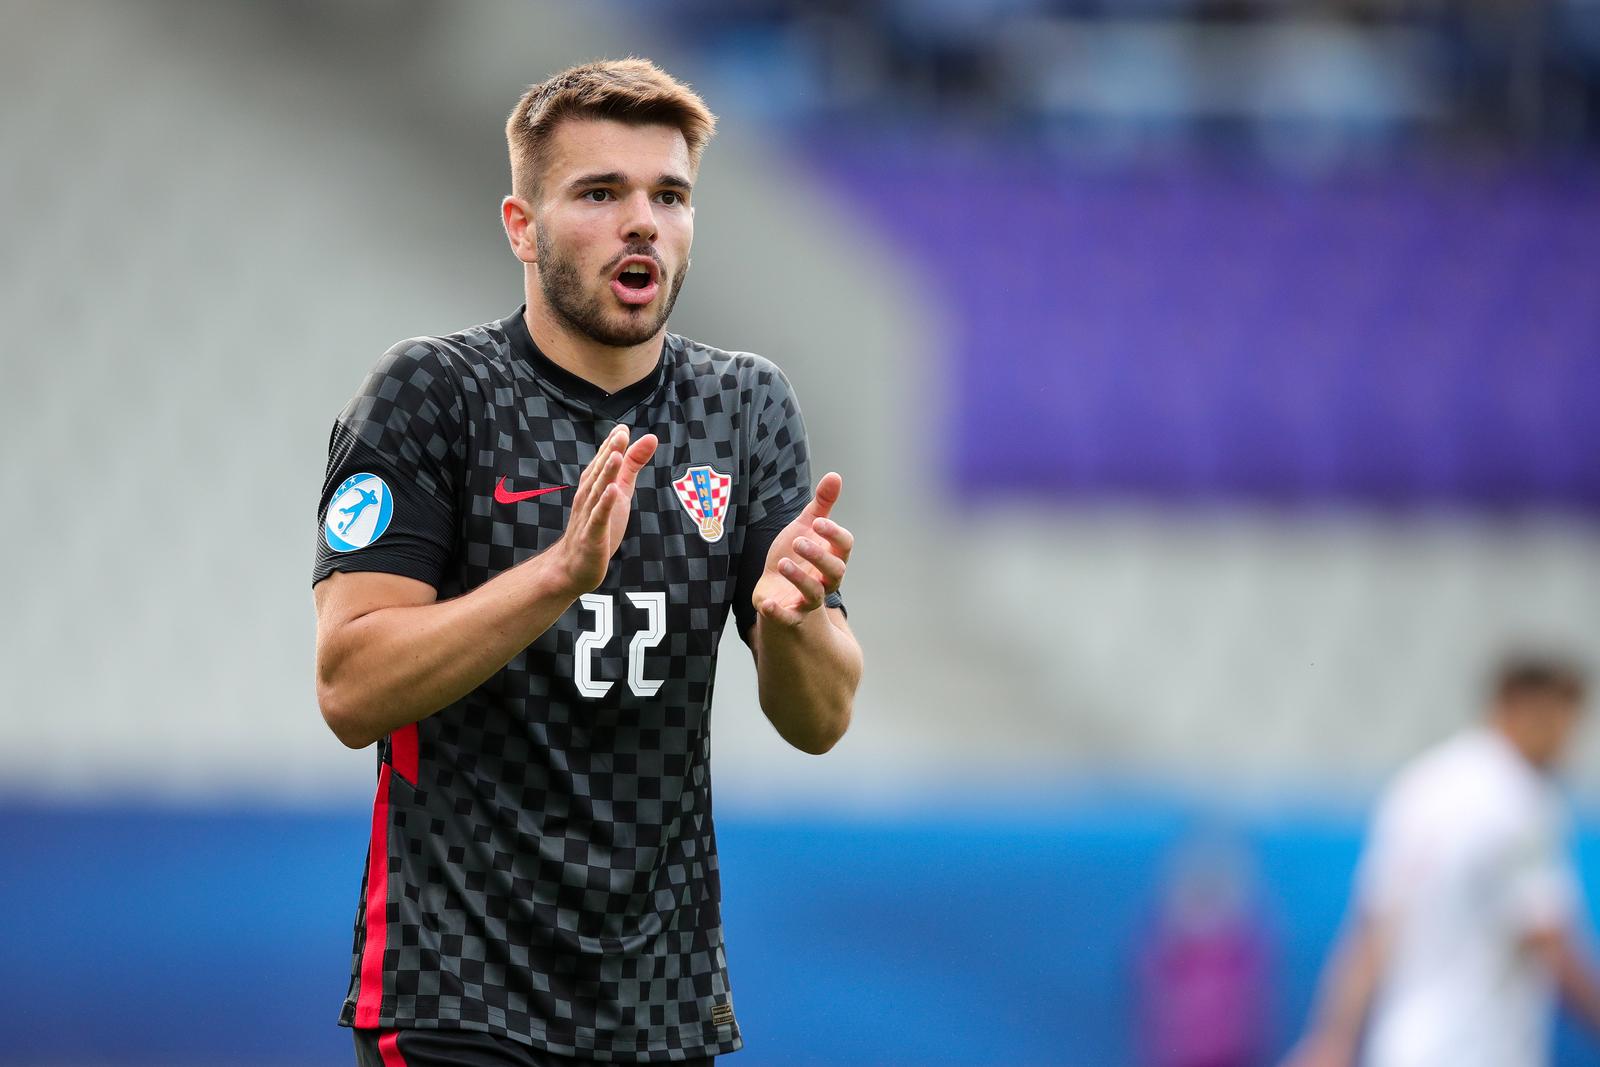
<point>1463,922</point>
<point>1203,969</point>
<point>1339,74</point>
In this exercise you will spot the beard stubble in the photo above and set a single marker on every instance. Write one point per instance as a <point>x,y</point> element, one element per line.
<point>585,313</point>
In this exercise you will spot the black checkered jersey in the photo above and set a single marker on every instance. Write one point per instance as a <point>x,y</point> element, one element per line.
<point>543,861</point>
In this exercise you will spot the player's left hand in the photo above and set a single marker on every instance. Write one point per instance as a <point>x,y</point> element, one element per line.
<point>807,560</point>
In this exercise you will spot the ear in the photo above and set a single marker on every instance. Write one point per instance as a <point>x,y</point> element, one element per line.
<point>517,216</point>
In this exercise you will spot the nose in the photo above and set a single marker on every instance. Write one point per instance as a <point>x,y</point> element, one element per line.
<point>639,219</point>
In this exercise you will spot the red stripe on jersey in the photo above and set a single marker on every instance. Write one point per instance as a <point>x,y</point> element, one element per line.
<point>369,1001</point>
<point>403,752</point>
<point>389,1049</point>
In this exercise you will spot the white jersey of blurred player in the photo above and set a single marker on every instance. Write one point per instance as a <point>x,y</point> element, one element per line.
<point>1463,924</point>
<point>1467,857</point>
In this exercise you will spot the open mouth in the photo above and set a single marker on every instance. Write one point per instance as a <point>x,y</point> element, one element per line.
<point>637,280</point>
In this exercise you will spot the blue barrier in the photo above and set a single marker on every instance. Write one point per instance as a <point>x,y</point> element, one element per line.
<point>147,935</point>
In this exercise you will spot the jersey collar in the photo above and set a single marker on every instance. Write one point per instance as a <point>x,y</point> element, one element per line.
<point>602,403</point>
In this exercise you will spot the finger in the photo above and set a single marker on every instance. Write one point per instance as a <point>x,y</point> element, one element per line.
<point>806,583</point>
<point>635,459</point>
<point>779,612</point>
<point>599,528</point>
<point>826,496</point>
<point>640,451</point>
<point>617,445</point>
<point>602,479</point>
<point>608,473</point>
<point>840,539</point>
<point>606,447</point>
<point>828,566</point>
<point>583,498</point>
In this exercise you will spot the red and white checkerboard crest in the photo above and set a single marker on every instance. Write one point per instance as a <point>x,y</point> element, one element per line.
<point>703,491</point>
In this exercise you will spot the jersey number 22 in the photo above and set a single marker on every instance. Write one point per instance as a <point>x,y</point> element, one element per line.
<point>601,607</point>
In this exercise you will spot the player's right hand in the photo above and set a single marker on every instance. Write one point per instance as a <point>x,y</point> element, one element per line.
<point>600,509</point>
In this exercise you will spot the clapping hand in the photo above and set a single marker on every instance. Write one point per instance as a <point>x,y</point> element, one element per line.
<point>806,562</point>
<point>600,508</point>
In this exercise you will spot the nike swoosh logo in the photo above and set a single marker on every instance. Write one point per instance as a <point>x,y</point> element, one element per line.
<point>502,495</point>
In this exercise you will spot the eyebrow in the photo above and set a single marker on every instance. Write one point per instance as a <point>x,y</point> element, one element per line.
<point>612,177</point>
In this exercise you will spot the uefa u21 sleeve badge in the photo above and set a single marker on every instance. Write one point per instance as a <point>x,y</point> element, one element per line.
<point>703,492</point>
<point>358,513</point>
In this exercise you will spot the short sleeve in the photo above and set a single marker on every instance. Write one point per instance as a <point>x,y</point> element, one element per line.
<point>1388,861</point>
<point>395,458</point>
<point>1541,889</point>
<point>779,476</point>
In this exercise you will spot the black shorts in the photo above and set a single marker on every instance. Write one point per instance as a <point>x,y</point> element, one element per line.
<point>463,1048</point>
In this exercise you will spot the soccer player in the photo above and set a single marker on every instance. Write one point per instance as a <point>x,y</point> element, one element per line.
<point>1466,904</point>
<point>569,503</point>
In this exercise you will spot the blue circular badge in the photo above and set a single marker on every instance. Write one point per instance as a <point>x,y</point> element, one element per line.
<point>358,513</point>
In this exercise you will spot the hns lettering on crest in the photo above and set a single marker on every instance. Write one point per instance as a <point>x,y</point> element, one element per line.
<point>358,513</point>
<point>704,494</point>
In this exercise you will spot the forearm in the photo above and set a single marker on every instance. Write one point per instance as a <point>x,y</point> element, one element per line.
<point>807,677</point>
<point>396,665</point>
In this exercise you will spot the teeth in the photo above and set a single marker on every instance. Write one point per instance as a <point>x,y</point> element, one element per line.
<point>637,269</point>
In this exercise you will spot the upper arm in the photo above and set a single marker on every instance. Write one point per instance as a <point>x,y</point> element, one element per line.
<point>395,462</point>
<point>778,472</point>
<point>1357,966</point>
<point>778,453</point>
<point>1381,874</point>
<point>1366,941</point>
<point>342,598</point>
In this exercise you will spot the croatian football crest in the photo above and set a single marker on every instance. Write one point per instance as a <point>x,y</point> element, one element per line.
<point>704,494</point>
<point>358,513</point>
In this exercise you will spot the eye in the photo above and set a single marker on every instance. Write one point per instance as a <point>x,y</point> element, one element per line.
<point>670,197</point>
<point>597,196</point>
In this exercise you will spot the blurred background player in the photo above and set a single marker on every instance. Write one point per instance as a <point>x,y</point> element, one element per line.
<point>1465,916</point>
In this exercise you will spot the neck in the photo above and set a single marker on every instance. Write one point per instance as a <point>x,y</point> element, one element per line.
<point>1518,739</point>
<point>608,367</point>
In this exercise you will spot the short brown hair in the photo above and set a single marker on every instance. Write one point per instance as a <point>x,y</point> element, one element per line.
<point>631,90</point>
<point>1523,675</point>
